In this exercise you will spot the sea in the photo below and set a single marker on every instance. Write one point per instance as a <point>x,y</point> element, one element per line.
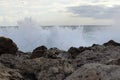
<point>28,35</point>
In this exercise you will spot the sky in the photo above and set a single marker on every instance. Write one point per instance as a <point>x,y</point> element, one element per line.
<point>60,12</point>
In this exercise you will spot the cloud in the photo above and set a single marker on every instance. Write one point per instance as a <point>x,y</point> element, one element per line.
<point>42,10</point>
<point>95,11</point>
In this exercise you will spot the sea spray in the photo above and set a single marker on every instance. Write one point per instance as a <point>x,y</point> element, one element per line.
<point>29,35</point>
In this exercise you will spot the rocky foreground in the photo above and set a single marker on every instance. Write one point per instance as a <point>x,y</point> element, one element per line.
<point>98,62</point>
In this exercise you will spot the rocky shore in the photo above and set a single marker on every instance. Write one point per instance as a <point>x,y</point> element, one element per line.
<point>97,62</point>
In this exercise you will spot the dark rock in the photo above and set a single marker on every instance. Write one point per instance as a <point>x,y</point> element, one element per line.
<point>74,51</point>
<point>53,53</point>
<point>54,64</point>
<point>39,52</point>
<point>111,43</point>
<point>7,46</point>
<point>95,45</point>
<point>81,49</point>
<point>29,76</point>
<point>54,50</point>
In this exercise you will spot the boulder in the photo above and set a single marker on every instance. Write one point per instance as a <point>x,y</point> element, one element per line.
<point>73,51</point>
<point>7,46</point>
<point>53,52</point>
<point>39,52</point>
<point>76,51</point>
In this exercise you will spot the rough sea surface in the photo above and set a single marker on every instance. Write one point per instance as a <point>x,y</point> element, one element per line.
<point>29,35</point>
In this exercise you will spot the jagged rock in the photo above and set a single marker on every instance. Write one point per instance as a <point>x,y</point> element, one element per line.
<point>95,45</point>
<point>64,55</point>
<point>53,52</point>
<point>76,51</point>
<point>7,46</point>
<point>100,54</point>
<point>73,51</point>
<point>112,43</point>
<point>98,62</point>
<point>82,49</point>
<point>55,70</point>
<point>113,62</point>
<point>9,74</point>
<point>39,52</point>
<point>38,68</point>
<point>95,71</point>
<point>56,53</point>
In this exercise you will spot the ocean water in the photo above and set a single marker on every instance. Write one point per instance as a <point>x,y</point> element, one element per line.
<point>28,35</point>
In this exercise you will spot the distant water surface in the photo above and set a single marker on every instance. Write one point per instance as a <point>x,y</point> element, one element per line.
<point>30,36</point>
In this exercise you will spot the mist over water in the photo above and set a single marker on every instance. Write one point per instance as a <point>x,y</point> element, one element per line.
<point>29,35</point>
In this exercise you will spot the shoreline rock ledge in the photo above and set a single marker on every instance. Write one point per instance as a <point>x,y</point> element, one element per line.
<point>97,62</point>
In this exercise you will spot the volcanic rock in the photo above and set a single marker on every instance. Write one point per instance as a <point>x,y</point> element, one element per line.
<point>100,54</point>
<point>95,71</point>
<point>112,43</point>
<point>9,74</point>
<point>7,46</point>
<point>39,52</point>
<point>76,51</point>
<point>53,52</point>
<point>114,62</point>
<point>73,51</point>
<point>38,68</point>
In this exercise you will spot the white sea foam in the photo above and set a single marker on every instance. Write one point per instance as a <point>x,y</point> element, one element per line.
<point>30,35</point>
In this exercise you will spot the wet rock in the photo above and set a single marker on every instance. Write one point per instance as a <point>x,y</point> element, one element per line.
<point>95,71</point>
<point>42,51</point>
<point>39,52</point>
<point>76,51</point>
<point>95,45</point>
<point>112,43</point>
<point>7,46</point>
<point>82,49</point>
<point>73,51</point>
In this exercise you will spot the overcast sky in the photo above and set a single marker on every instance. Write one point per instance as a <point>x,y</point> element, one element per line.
<point>56,12</point>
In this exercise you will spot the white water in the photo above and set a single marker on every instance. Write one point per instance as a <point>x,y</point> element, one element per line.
<point>29,35</point>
